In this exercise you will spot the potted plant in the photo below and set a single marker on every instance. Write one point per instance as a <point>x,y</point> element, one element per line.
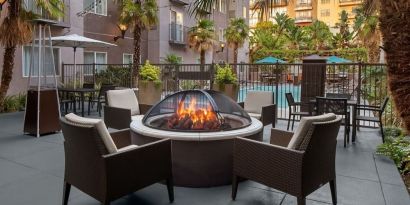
<point>149,85</point>
<point>226,81</point>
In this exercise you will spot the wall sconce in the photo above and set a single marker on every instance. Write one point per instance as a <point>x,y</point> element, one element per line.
<point>222,48</point>
<point>1,4</point>
<point>123,28</point>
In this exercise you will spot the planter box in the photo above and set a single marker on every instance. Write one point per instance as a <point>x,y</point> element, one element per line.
<point>149,93</point>
<point>230,90</point>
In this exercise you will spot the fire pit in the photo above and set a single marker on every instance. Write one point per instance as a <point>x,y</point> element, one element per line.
<point>202,125</point>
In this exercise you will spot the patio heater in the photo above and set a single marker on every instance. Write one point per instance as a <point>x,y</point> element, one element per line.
<point>42,102</point>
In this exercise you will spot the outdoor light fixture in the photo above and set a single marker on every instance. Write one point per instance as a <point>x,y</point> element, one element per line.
<point>123,28</point>
<point>222,48</point>
<point>1,4</point>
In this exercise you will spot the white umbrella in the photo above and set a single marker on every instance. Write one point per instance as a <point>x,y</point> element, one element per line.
<point>76,41</point>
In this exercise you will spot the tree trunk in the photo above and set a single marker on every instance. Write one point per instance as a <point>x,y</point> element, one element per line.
<point>202,57</point>
<point>7,73</point>
<point>137,54</point>
<point>235,58</point>
<point>395,28</point>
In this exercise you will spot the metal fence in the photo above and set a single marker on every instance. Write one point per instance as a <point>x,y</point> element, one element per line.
<point>365,83</point>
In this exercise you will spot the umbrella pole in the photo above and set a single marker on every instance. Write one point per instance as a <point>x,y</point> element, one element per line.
<point>75,69</point>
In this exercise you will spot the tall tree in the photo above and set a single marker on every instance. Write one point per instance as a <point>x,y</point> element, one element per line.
<point>202,37</point>
<point>16,30</point>
<point>319,33</point>
<point>236,34</point>
<point>139,15</point>
<point>296,36</point>
<point>344,36</point>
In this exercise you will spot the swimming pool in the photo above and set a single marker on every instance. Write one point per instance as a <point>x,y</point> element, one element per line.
<point>282,89</point>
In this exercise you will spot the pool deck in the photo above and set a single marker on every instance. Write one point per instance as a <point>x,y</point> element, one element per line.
<point>31,172</point>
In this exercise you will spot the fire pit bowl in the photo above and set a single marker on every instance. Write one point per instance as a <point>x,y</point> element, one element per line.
<point>202,125</point>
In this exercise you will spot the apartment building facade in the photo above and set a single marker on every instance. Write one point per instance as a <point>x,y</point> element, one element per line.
<point>306,11</point>
<point>98,19</point>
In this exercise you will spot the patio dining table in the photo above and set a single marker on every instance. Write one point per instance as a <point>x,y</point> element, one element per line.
<point>351,103</point>
<point>81,92</point>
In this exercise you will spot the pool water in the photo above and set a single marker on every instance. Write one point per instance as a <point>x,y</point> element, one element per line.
<point>282,89</point>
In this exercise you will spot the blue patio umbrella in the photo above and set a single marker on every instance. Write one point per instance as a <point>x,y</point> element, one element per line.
<point>270,59</point>
<point>335,59</point>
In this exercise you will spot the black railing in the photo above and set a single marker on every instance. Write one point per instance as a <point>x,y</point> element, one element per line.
<point>365,83</point>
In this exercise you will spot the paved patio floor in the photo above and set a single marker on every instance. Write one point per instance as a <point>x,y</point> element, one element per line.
<point>31,173</point>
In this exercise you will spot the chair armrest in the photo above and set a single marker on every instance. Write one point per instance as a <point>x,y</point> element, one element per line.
<point>280,137</point>
<point>268,164</point>
<point>369,109</point>
<point>269,115</point>
<point>144,108</point>
<point>117,118</point>
<point>242,104</point>
<point>139,167</point>
<point>122,138</point>
<point>368,106</point>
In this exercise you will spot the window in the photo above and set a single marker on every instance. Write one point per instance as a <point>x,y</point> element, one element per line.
<point>222,6</point>
<point>127,58</point>
<point>176,26</point>
<point>96,6</point>
<point>96,58</point>
<point>47,62</point>
<point>325,12</point>
<point>325,1</point>
<point>221,35</point>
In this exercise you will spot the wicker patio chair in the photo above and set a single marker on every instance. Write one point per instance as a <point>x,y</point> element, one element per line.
<point>294,109</point>
<point>261,105</point>
<point>108,172</point>
<point>298,172</point>
<point>377,109</point>
<point>120,107</point>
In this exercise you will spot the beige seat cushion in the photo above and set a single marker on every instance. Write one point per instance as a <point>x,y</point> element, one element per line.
<point>255,115</point>
<point>99,125</point>
<point>304,126</point>
<point>128,147</point>
<point>124,99</point>
<point>255,100</point>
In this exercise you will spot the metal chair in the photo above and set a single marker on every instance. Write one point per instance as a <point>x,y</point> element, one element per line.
<point>293,109</point>
<point>337,106</point>
<point>378,119</point>
<point>101,97</point>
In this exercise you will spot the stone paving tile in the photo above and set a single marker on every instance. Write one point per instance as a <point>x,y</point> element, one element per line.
<point>387,171</point>
<point>396,195</point>
<point>11,172</point>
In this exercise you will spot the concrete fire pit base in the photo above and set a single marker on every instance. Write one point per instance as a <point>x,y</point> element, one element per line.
<point>199,159</point>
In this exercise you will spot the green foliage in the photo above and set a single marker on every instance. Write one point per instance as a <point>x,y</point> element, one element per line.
<point>319,34</point>
<point>14,103</point>
<point>173,59</point>
<point>225,75</point>
<point>150,72</point>
<point>396,147</point>
<point>116,75</point>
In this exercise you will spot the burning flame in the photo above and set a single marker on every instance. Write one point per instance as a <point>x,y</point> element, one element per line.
<point>194,117</point>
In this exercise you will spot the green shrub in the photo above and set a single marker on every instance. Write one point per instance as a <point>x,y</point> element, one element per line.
<point>396,147</point>
<point>14,103</point>
<point>225,75</point>
<point>116,75</point>
<point>150,72</point>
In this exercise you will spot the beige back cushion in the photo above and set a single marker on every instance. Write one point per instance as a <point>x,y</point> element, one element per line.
<point>304,126</point>
<point>255,100</point>
<point>101,129</point>
<point>124,99</point>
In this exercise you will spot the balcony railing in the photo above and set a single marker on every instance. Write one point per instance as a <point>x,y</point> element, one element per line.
<point>301,6</point>
<point>303,19</point>
<point>180,2</point>
<point>349,2</point>
<point>177,34</point>
<point>63,21</point>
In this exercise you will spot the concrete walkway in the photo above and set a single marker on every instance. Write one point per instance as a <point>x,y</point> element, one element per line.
<point>31,173</point>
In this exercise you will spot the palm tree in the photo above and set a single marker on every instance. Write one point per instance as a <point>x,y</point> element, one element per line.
<point>201,37</point>
<point>295,35</point>
<point>236,34</point>
<point>319,33</point>
<point>139,15</point>
<point>395,27</point>
<point>344,36</point>
<point>16,30</point>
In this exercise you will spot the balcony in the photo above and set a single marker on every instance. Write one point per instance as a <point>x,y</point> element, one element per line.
<point>177,34</point>
<point>303,6</point>
<point>63,21</point>
<point>275,3</point>
<point>350,2</point>
<point>179,2</point>
<point>303,19</point>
